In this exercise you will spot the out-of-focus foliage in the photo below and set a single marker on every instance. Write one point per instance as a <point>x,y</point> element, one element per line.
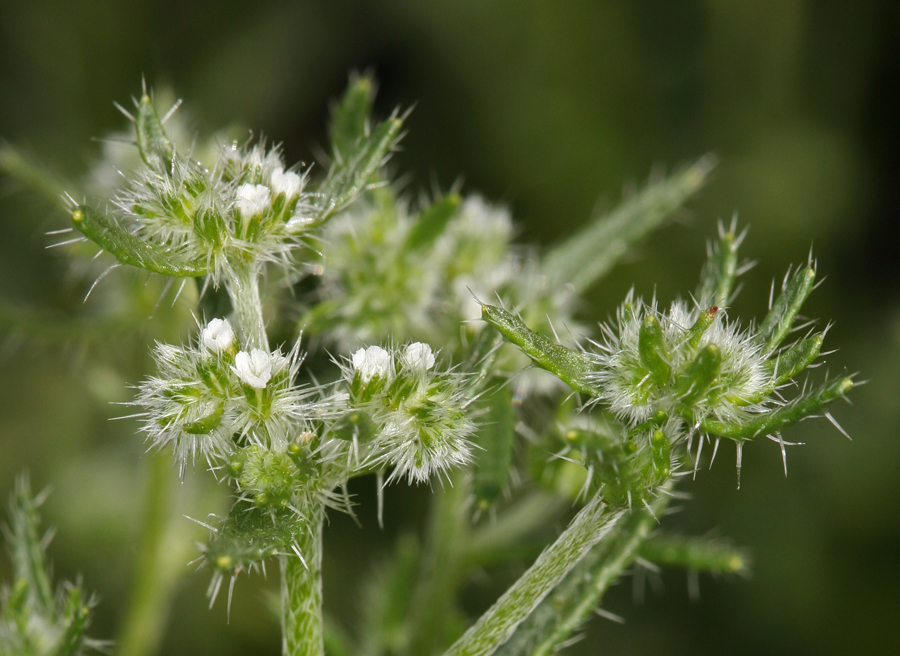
<point>543,105</point>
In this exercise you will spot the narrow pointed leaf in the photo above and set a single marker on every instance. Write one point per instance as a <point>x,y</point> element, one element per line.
<point>780,320</point>
<point>572,367</point>
<point>585,257</point>
<point>128,249</point>
<point>495,436</point>
<point>798,409</point>
<point>698,554</point>
<point>348,122</point>
<point>652,349</point>
<point>154,146</point>
<point>719,272</point>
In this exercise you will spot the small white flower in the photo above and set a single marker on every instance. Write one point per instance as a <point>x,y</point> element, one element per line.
<point>217,335</point>
<point>418,357</point>
<point>287,183</point>
<point>254,368</point>
<point>372,361</point>
<point>252,199</point>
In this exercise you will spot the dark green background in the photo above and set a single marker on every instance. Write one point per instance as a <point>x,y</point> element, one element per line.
<point>545,106</point>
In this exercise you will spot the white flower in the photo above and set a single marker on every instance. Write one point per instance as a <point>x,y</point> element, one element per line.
<point>372,361</point>
<point>217,335</point>
<point>287,183</point>
<point>418,357</point>
<point>252,199</point>
<point>254,368</point>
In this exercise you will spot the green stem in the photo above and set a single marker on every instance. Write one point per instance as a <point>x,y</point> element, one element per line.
<point>301,593</point>
<point>591,584</point>
<point>155,575</point>
<point>243,289</point>
<point>440,569</point>
<point>590,525</point>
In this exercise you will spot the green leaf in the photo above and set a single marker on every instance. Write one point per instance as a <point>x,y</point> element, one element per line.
<point>698,554</point>
<point>350,174</point>
<point>719,272</point>
<point>572,367</point>
<point>153,144</point>
<point>128,249</point>
<point>432,222</point>
<point>496,437</point>
<point>585,257</point>
<point>350,116</point>
<point>803,406</point>
<point>780,320</point>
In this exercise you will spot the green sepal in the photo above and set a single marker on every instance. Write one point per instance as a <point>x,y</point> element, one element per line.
<point>572,367</point>
<point>780,320</point>
<point>697,554</point>
<point>496,437</point>
<point>771,422</point>
<point>154,146</point>
<point>207,424</point>
<point>353,172</point>
<point>432,222</point>
<point>348,121</point>
<point>128,249</point>
<point>355,425</point>
<point>653,353</point>
<point>661,452</point>
<point>250,535</point>
<point>788,364</point>
<point>719,272</point>
<point>699,375</point>
<point>269,478</point>
<point>704,321</point>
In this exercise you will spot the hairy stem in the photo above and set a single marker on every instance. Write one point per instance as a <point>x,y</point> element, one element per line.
<point>243,289</point>
<point>301,593</point>
<point>588,582</point>
<point>593,522</point>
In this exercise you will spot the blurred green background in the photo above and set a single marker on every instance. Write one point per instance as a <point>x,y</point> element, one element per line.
<point>546,107</point>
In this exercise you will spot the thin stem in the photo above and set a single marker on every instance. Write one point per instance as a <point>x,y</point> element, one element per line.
<point>243,289</point>
<point>590,525</point>
<point>440,570</point>
<point>301,593</point>
<point>157,571</point>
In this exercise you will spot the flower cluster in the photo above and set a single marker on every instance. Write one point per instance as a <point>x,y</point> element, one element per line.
<point>652,362</point>
<point>413,415</point>
<point>211,396</point>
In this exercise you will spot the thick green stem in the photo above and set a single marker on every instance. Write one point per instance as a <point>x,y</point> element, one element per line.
<point>301,593</point>
<point>589,583</point>
<point>156,570</point>
<point>593,522</point>
<point>243,289</point>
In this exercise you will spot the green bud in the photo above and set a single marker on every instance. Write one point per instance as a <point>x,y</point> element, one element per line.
<point>153,144</point>
<point>704,321</point>
<point>780,320</point>
<point>653,352</point>
<point>660,449</point>
<point>699,375</point>
<point>348,122</point>
<point>207,424</point>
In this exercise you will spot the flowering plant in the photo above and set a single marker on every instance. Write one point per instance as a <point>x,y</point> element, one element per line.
<point>429,382</point>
